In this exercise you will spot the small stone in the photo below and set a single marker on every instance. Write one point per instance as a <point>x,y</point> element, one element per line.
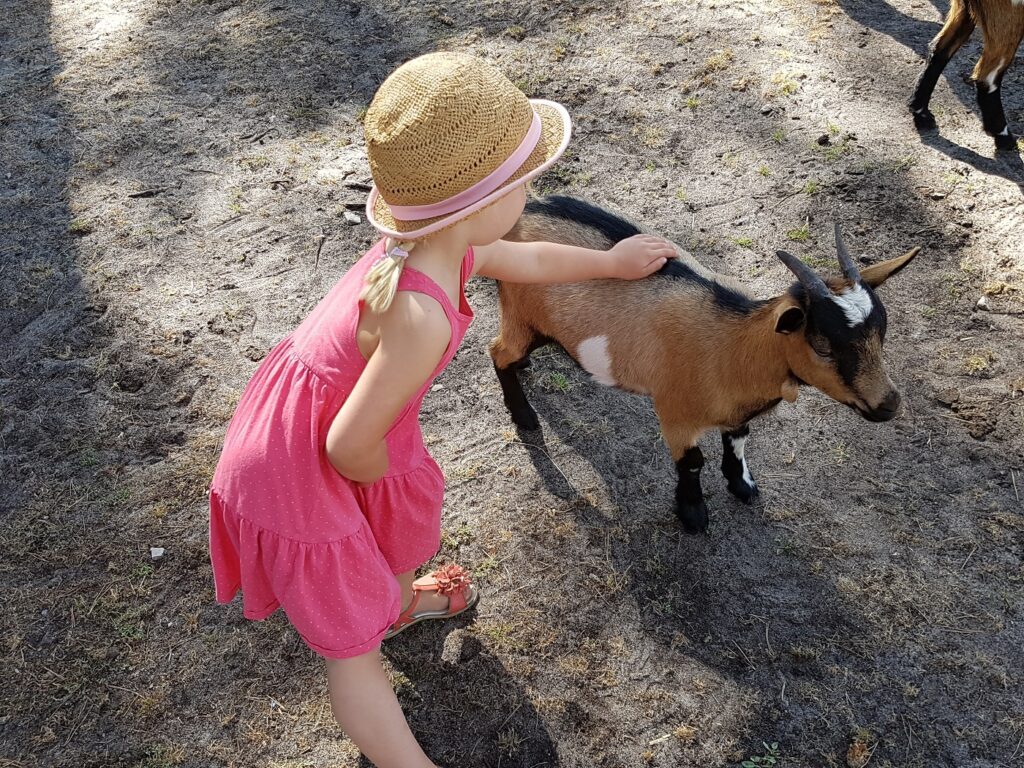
<point>947,396</point>
<point>767,109</point>
<point>332,175</point>
<point>824,140</point>
<point>155,553</point>
<point>437,388</point>
<point>452,651</point>
<point>351,218</point>
<point>937,195</point>
<point>966,223</point>
<point>983,304</point>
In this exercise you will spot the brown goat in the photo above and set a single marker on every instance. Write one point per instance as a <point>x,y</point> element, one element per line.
<point>1002,25</point>
<point>707,353</point>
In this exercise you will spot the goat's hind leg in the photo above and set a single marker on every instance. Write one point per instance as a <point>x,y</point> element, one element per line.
<point>510,351</point>
<point>954,33</point>
<point>734,464</point>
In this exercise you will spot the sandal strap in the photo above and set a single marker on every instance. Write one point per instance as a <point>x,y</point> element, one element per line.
<point>453,581</point>
<point>406,616</point>
<point>457,600</point>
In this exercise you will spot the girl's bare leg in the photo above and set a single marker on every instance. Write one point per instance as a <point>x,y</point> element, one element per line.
<point>366,708</point>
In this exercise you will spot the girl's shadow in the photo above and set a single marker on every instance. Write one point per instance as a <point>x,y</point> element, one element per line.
<point>463,705</point>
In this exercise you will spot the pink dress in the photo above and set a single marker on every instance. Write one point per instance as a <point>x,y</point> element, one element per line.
<point>285,527</point>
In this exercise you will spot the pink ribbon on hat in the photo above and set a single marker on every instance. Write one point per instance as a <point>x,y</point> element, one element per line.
<point>481,189</point>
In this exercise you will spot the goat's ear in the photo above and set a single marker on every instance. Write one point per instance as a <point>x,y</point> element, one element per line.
<point>877,274</point>
<point>789,318</point>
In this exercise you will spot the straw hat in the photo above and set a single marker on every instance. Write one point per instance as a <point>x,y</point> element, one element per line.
<point>447,134</point>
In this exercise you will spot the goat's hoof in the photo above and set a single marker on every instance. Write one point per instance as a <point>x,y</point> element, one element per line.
<point>924,120</point>
<point>743,490</point>
<point>694,517</point>
<point>1006,141</point>
<point>526,419</point>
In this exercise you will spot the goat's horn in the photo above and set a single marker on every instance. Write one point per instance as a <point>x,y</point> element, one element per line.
<point>808,278</point>
<point>850,270</point>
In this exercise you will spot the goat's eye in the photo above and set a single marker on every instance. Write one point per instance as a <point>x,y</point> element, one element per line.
<point>821,348</point>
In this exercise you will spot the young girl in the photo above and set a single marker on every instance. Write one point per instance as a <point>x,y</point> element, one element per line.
<point>325,500</point>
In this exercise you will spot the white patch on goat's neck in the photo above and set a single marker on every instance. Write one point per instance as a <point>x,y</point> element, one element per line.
<point>738,444</point>
<point>855,303</point>
<point>593,356</point>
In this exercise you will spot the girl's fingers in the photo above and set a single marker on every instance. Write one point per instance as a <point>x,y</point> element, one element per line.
<point>655,265</point>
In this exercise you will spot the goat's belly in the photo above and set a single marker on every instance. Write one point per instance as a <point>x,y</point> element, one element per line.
<point>594,356</point>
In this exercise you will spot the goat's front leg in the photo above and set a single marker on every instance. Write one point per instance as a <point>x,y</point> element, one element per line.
<point>734,464</point>
<point>690,507</point>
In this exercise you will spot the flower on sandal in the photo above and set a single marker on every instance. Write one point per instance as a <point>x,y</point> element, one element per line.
<point>451,579</point>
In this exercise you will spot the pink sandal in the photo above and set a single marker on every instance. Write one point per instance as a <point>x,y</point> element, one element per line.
<point>450,580</point>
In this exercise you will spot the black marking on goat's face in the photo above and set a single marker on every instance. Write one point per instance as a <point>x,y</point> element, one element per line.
<point>843,355</point>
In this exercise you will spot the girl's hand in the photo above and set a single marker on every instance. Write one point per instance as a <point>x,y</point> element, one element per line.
<point>638,256</point>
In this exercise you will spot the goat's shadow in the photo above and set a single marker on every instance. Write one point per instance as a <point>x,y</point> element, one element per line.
<point>1008,165</point>
<point>901,27</point>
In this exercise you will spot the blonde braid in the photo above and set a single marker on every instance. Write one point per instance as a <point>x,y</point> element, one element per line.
<point>382,279</point>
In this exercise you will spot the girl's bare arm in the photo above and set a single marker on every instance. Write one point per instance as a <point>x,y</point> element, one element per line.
<point>414,335</point>
<point>541,262</point>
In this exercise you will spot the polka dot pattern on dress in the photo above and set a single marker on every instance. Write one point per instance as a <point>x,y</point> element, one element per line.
<point>290,532</point>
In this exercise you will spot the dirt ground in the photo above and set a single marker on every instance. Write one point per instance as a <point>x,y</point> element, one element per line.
<point>174,176</point>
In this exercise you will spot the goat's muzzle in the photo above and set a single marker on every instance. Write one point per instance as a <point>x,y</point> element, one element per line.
<point>884,411</point>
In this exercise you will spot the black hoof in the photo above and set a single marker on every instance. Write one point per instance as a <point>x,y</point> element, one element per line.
<point>694,517</point>
<point>743,490</point>
<point>526,418</point>
<point>924,120</point>
<point>1006,141</point>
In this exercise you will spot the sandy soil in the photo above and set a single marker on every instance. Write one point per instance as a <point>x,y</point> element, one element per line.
<point>173,181</point>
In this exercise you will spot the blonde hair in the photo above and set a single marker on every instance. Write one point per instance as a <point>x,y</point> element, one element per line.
<point>381,282</point>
